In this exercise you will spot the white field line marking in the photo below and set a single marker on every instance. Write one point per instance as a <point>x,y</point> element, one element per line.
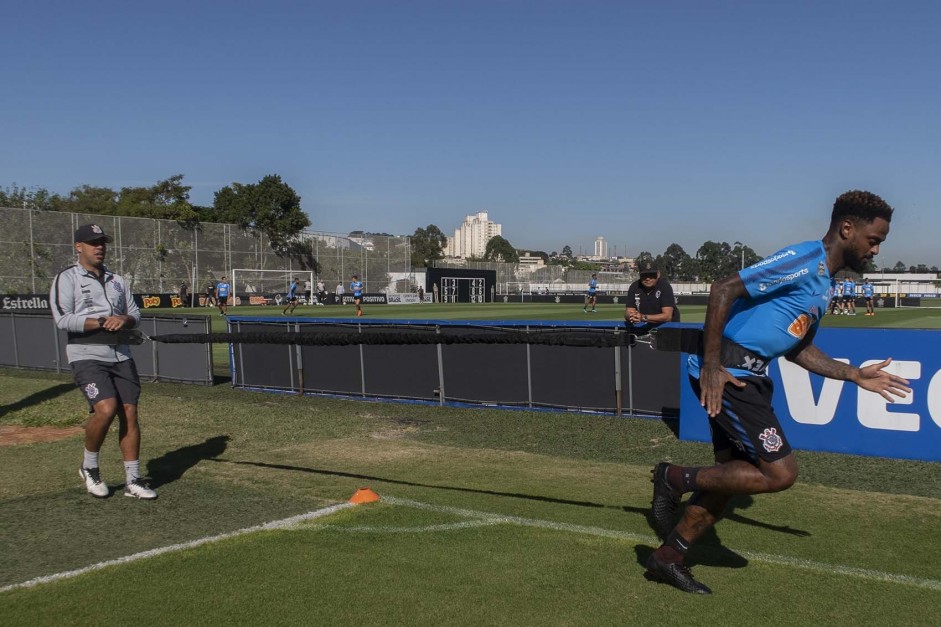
<point>467,524</point>
<point>767,558</point>
<point>284,523</point>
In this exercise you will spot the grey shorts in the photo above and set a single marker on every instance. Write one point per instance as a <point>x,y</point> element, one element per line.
<point>101,380</point>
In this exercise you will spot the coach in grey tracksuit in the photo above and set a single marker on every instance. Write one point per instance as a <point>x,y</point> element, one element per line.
<point>91,302</point>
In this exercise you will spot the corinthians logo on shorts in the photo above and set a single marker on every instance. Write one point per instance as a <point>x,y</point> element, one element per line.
<point>91,390</point>
<point>771,440</point>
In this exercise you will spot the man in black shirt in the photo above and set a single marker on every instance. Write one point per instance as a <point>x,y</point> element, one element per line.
<point>650,299</point>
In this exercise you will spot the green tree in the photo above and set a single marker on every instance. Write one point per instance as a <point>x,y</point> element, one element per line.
<point>675,263</point>
<point>643,258</point>
<point>427,246</point>
<point>269,206</point>
<point>499,249</point>
<point>567,251</point>
<point>167,200</point>
<point>28,198</point>
<point>89,199</point>
<point>899,267</point>
<point>716,260</point>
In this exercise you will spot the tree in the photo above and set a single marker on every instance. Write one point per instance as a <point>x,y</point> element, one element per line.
<point>89,199</point>
<point>270,206</point>
<point>167,200</point>
<point>644,257</point>
<point>716,261</point>
<point>899,267</point>
<point>427,246</point>
<point>675,263</point>
<point>567,251</point>
<point>499,249</point>
<point>28,198</point>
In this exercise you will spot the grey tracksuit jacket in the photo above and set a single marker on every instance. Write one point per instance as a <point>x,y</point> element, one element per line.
<point>77,295</point>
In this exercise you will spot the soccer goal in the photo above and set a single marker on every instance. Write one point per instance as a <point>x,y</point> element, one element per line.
<point>272,284</point>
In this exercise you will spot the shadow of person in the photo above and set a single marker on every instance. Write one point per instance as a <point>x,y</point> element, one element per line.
<point>169,467</point>
<point>38,397</point>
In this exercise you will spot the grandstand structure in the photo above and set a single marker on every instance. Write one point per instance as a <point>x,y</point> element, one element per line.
<point>158,255</point>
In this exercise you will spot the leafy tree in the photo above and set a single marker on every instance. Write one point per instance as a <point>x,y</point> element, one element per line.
<point>89,199</point>
<point>899,267</point>
<point>269,206</point>
<point>499,249</point>
<point>28,198</point>
<point>716,261</point>
<point>643,258</point>
<point>167,200</point>
<point>675,263</point>
<point>427,246</point>
<point>567,251</point>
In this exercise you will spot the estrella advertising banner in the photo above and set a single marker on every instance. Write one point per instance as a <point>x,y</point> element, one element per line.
<point>820,414</point>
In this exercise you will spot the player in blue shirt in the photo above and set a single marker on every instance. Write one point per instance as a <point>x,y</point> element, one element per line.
<point>849,297</point>
<point>356,286</point>
<point>590,297</point>
<point>222,296</point>
<point>768,310</point>
<point>291,297</point>
<point>867,294</point>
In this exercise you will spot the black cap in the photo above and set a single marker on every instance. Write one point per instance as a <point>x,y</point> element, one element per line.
<point>648,267</point>
<point>90,233</point>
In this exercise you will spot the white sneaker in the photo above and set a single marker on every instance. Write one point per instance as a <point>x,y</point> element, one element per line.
<point>139,490</point>
<point>93,483</point>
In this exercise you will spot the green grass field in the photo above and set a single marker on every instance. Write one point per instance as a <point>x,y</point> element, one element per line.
<point>486,517</point>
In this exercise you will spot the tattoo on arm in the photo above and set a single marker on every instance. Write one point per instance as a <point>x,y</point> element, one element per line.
<point>815,360</point>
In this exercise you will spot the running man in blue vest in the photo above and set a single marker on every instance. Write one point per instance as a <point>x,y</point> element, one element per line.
<point>867,294</point>
<point>590,297</point>
<point>291,297</point>
<point>754,316</point>
<point>849,297</point>
<point>356,286</point>
<point>222,296</point>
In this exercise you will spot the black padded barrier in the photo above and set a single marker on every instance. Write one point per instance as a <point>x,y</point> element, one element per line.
<point>601,373</point>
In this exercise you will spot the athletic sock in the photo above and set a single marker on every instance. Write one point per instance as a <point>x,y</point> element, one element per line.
<point>674,549</point>
<point>90,460</point>
<point>682,478</point>
<point>132,470</point>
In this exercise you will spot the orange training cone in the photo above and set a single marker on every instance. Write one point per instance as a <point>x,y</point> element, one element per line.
<point>364,495</point>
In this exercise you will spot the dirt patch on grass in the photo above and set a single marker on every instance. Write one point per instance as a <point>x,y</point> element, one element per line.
<point>11,435</point>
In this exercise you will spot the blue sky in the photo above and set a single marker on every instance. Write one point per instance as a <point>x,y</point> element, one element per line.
<point>644,122</point>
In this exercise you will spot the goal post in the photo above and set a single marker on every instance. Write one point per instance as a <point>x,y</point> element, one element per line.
<point>272,282</point>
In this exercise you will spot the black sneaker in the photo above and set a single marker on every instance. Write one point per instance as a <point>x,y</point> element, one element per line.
<point>664,503</point>
<point>677,575</point>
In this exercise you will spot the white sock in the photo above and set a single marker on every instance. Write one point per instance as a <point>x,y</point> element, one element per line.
<point>91,460</point>
<point>132,470</point>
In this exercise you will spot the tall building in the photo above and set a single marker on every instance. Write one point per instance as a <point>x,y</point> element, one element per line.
<point>601,248</point>
<point>470,239</point>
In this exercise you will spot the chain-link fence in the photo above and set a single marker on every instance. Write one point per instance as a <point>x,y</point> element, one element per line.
<point>512,277</point>
<point>159,255</point>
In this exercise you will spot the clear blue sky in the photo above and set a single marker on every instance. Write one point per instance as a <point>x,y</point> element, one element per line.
<point>644,122</point>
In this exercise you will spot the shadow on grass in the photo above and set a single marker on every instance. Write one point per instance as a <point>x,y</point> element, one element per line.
<point>169,467</point>
<point>516,495</point>
<point>38,397</point>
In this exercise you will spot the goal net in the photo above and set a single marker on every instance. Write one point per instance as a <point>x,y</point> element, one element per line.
<point>272,284</point>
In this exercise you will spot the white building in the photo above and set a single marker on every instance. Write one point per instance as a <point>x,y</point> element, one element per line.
<point>470,239</point>
<point>601,248</point>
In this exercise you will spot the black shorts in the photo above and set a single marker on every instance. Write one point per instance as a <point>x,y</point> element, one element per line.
<point>223,300</point>
<point>101,380</point>
<point>747,426</point>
